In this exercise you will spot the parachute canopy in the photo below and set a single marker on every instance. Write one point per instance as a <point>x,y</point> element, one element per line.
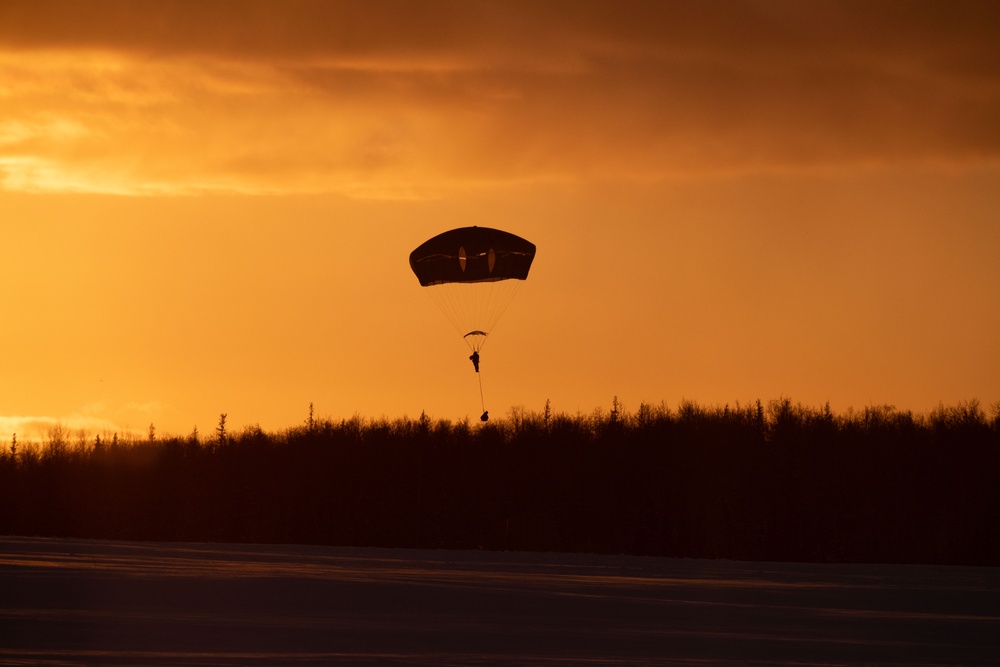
<point>472,273</point>
<point>472,255</point>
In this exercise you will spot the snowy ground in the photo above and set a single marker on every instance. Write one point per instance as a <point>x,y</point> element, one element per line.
<point>125,603</point>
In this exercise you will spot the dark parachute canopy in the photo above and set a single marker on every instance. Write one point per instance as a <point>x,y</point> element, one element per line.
<point>472,273</point>
<point>472,255</point>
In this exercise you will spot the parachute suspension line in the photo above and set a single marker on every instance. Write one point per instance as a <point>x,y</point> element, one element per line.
<point>447,302</point>
<point>471,307</point>
<point>504,300</point>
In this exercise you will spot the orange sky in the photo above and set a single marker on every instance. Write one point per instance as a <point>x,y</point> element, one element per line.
<point>208,207</point>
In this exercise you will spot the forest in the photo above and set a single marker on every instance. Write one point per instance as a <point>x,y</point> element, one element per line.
<point>773,481</point>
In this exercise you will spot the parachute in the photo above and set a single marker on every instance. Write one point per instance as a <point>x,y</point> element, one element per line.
<point>473,273</point>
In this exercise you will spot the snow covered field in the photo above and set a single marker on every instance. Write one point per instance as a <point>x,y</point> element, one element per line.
<point>125,603</point>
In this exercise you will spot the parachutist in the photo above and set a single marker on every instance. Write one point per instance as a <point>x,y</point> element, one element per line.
<point>485,416</point>
<point>472,273</point>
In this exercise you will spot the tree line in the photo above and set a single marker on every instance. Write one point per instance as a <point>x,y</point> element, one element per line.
<point>776,481</point>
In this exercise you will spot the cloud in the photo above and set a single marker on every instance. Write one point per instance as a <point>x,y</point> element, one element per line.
<point>401,99</point>
<point>148,408</point>
<point>96,418</point>
<point>35,428</point>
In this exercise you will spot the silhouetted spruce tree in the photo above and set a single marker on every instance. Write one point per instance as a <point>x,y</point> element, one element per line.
<point>220,430</point>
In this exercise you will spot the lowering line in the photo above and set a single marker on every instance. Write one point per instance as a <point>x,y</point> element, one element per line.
<point>486,414</point>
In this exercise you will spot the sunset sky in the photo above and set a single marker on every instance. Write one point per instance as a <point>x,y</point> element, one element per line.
<point>207,207</point>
